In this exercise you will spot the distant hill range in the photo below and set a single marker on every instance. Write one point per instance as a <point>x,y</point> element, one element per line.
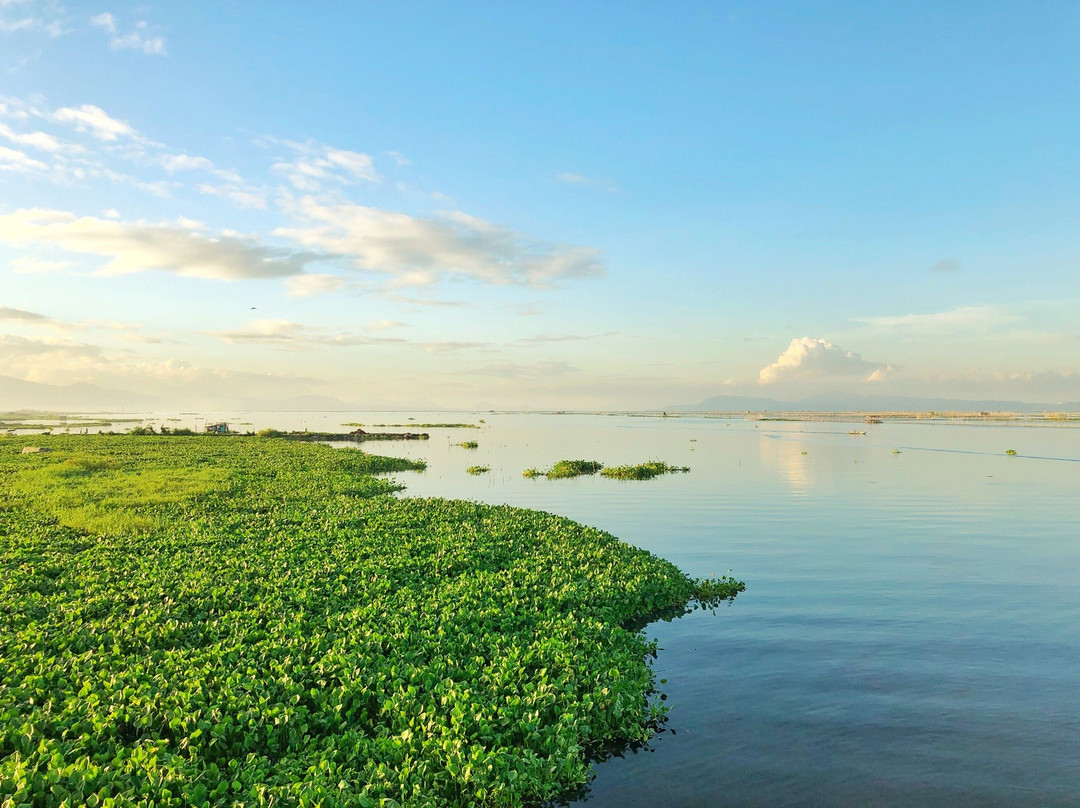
<point>841,402</point>
<point>16,394</point>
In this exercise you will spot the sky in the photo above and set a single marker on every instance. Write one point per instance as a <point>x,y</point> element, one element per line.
<point>541,205</point>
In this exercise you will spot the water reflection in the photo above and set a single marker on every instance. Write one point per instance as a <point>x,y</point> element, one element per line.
<point>791,459</point>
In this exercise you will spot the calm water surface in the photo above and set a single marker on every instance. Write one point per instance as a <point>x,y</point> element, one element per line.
<point>910,634</point>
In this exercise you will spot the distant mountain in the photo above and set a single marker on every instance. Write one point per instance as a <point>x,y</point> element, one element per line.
<point>16,394</point>
<point>843,402</point>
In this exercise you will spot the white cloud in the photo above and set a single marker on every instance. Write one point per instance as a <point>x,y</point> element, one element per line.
<point>184,162</point>
<point>88,118</point>
<point>104,21</point>
<point>964,318</point>
<point>570,178</point>
<point>37,140</point>
<point>314,163</point>
<point>311,285</point>
<point>398,158</point>
<point>811,359</point>
<point>19,161</point>
<point>421,251</point>
<point>139,246</point>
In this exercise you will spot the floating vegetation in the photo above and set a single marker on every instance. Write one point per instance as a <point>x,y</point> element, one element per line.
<point>421,426</point>
<point>531,472</point>
<point>573,468</point>
<point>218,622</point>
<point>642,471</point>
<point>478,469</point>
<point>468,444</point>
<point>896,451</point>
<point>1010,451</point>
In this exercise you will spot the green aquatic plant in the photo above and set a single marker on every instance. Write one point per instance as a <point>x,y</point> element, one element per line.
<point>642,471</point>
<point>478,469</point>
<point>573,468</point>
<point>1010,451</point>
<point>468,444</point>
<point>532,472</point>
<point>220,622</point>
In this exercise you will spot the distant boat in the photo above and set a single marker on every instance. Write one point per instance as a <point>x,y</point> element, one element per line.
<point>856,432</point>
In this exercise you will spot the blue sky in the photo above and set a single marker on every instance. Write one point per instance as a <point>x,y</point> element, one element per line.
<point>542,205</point>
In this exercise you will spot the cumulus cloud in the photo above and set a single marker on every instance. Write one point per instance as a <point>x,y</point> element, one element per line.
<point>312,164</point>
<point>138,246</point>
<point>43,358</point>
<point>418,251</point>
<point>811,359</point>
<point>964,318</point>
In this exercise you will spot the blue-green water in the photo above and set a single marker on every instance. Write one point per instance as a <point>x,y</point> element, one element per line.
<point>910,634</point>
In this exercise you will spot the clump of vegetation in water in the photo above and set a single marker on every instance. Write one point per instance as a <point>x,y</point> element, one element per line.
<point>222,622</point>
<point>421,426</point>
<point>532,472</point>
<point>478,469</point>
<point>1010,451</point>
<point>573,468</point>
<point>270,433</point>
<point>468,444</point>
<point>642,471</point>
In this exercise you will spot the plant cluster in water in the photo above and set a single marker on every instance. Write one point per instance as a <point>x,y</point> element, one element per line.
<point>421,426</point>
<point>478,469</point>
<point>468,444</point>
<point>576,468</point>
<point>219,622</point>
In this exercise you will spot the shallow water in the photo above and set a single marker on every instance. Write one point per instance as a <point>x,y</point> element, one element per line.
<point>910,634</point>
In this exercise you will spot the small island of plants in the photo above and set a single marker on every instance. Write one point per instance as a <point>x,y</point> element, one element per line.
<point>576,468</point>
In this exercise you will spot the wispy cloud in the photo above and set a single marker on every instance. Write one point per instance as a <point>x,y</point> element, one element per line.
<point>312,164</point>
<point>92,119</point>
<point>310,285</point>
<point>945,265</point>
<point>297,336</point>
<point>809,359</point>
<point>964,318</point>
<point>545,338</point>
<point>139,246</point>
<point>570,178</point>
<point>22,316</point>
<point>138,38</point>
<point>417,251</point>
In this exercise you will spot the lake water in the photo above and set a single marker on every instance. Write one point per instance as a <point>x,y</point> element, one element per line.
<point>910,633</point>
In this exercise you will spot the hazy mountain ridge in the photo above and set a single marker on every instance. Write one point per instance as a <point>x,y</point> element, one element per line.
<point>841,402</point>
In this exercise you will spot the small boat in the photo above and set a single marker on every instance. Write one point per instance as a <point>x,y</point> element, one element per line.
<point>856,432</point>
